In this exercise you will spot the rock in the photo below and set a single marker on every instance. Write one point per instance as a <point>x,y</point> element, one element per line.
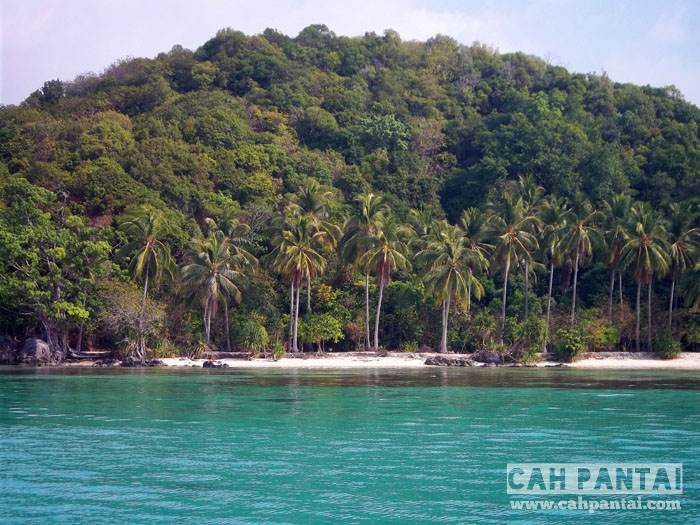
<point>132,361</point>
<point>107,363</point>
<point>492,365</point>
<point>424,349</point>
<point>214,364</point>
<point>487,357</point>
<point>447,360</point>
<point>36,352</point>
<point>8,351</point>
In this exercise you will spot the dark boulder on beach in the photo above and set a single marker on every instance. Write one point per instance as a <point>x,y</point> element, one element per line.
<point>36,352</point>
<point>487,357</point>
<point>132,361</point>
<point>214,364</point>
<point>447,360</point>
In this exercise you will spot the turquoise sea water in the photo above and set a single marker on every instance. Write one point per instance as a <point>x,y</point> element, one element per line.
<point>422,446</point>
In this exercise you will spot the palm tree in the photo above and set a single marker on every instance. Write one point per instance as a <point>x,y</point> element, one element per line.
<point>313,200</point>
<point>580,237</point>
<point>296,257</point>
<point>683,247</point>
<point>360,234</point>
<point>150,257</point>
<point>645,253</point>
<point>386,254</point>
<point>474,229</point>
<point>237,236</point>
<point>531,195</point>
<point>553,218</point>
<point>448,272</point>
<point>691,283</point>
<point>211,276</point>
<point>617,211</point>
<point>509,227</point>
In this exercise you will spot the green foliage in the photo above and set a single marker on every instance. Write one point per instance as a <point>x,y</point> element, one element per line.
<point>569,344</point>
<point>666,346</point>
<point>319,328</point>
<point>278,351</point>
<point>248,332</point>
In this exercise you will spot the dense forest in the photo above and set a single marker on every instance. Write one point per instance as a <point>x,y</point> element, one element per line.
<point>269,193</point>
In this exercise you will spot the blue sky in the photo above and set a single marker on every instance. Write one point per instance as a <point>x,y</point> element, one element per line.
<point>645,42</point>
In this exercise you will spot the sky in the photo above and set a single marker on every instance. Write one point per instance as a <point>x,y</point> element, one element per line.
<point>645,42</point>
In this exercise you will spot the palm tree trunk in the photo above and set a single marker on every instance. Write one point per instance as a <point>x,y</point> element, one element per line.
<point>549,292</point>
<point>619,286</point>
<point>573,303</point>
<point>295,348</point>
<point>291,314</point>
<point>670,304</point>
<point>469,296</point>
<point>368,341</point>
<point>142,341</point>
<point>79,343</point>
<point>226,327</point>
<point>505,292</point>
<point>636,331</point>
<point>527,290</point>
<point>445,318</point>
<point>649,348</point>
<point>610,296</point>
<point>376,320</point>
<point>308,295</point>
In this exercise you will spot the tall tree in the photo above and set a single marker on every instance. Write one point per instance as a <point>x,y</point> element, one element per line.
<point>509,228</point>
<point>617,210</point>
<point>582,235</point>
<point>645,252</point>
<point>553,218</point>
<point>683,246</point>
<point>296,256</point>
<point>150,257</point>
<point>387,254</point>
<point>211,276</point>
<point>360,234</point>
<point>448,271</point>
<point>474,226</point>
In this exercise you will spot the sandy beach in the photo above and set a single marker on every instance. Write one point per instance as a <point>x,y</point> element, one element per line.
<point>687,361</point>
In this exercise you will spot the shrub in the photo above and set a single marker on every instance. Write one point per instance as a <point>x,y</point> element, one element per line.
<point>278,350</point>
<point>248,332</point>
<point>568,344</point>
<point>601,335</point>
<point>409,346</point>
<point>666,346</point>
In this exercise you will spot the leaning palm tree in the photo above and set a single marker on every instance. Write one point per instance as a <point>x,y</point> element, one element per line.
<point>360,234</point>
<point>553,218</point>
<point>211,276</point>
<point>387,253</point>
<point>509,229</point>
<point>683,247</point>
<point>150,257</point>
<point>691,283</point>
<point>645,253</point>
<point>617,211</point>
<point>448,273</point>
<point>581,237</point>
<point>296,256</point>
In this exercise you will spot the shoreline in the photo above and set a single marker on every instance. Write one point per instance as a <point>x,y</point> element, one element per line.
<point>396,360</point>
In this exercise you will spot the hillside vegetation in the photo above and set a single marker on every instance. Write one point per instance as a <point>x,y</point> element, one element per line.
<point>320,191</point>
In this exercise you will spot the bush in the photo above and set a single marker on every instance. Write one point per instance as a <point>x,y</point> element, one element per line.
<point>409,346</point>
<point>568,344</point>
<point>278,350</point>
<point>666,346</point>
<point>248,332</point>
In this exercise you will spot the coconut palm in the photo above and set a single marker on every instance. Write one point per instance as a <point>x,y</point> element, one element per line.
<point>237,235</point>
<point>474,225</point>
<point>683,247</point>
<point>580,237</point>
<point>530,194</point>
<point>617,211</point>
<point>448,273</point>
<point>360,234</point>
<point>553,219</point>
<point>296,256</point>
<point>313,200</point>
<point>150,257</point>
<point>509,228</point>
<point>386,254</point>
<point>211,276</point>
<point>691,283</point>
<point>645,253</point>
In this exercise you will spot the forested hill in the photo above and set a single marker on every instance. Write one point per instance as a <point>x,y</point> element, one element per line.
<point>240,123</point>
